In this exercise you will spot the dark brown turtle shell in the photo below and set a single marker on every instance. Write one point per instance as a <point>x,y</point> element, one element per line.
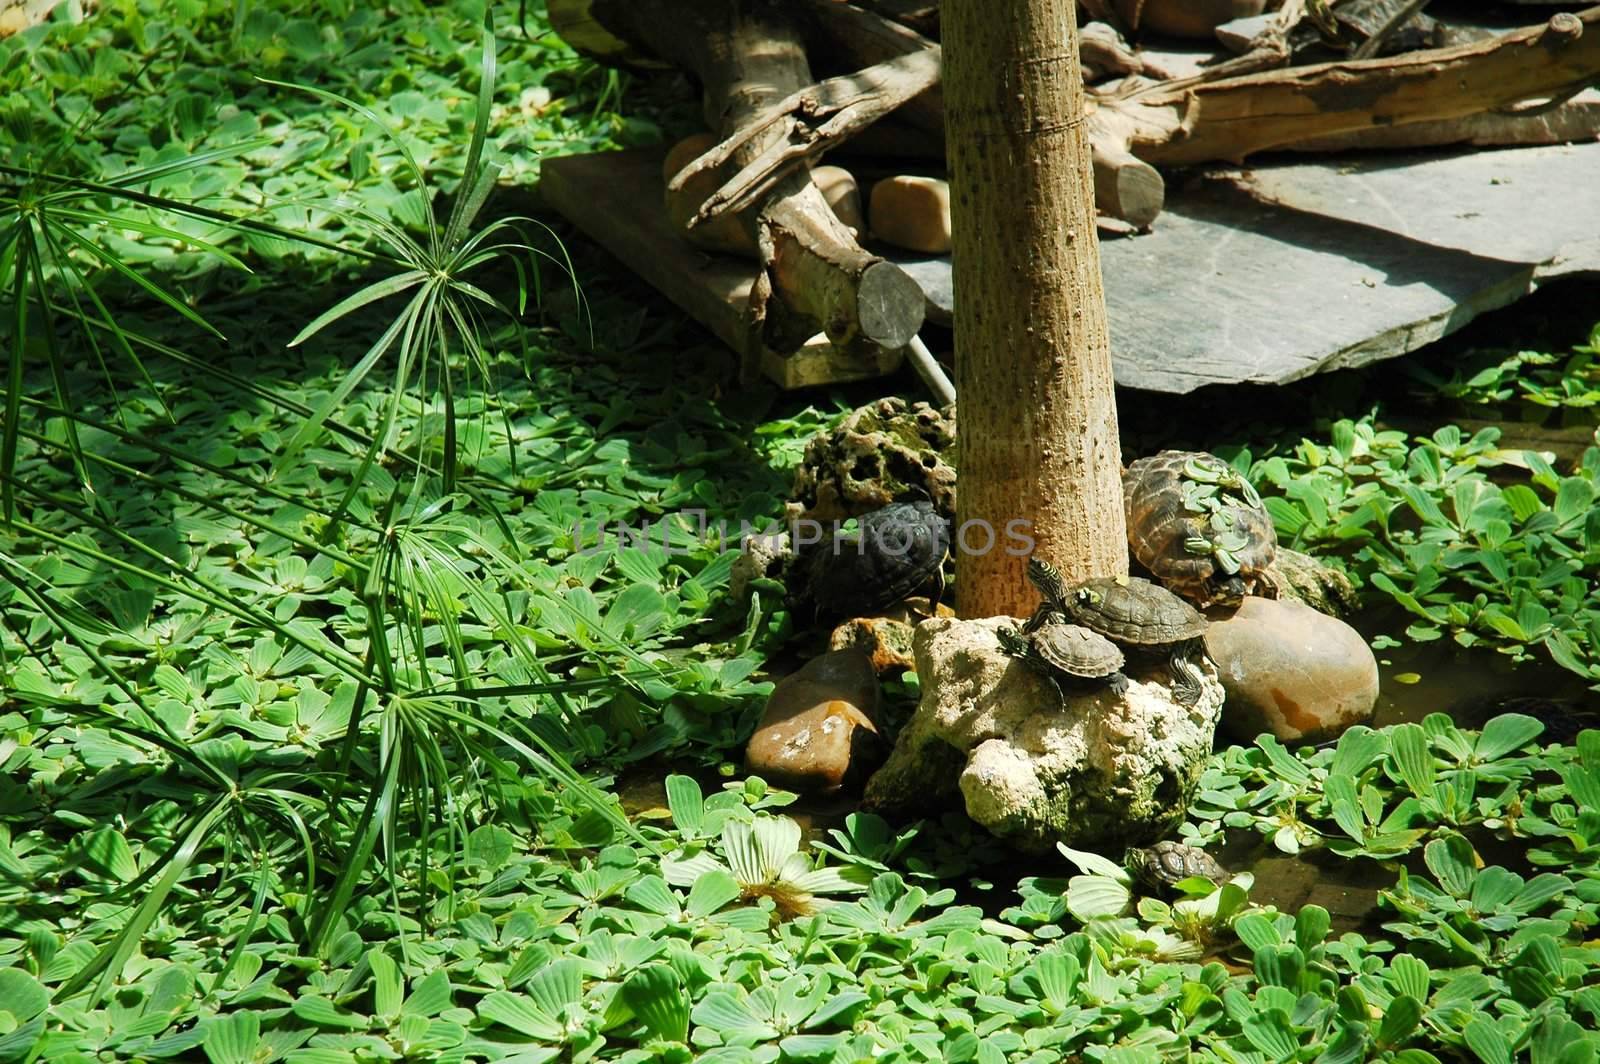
<point>1134,611</point>
<point>1076,651</point>
<point>1168,863</point>
<point>1216,551</point>
<point>899,549</point>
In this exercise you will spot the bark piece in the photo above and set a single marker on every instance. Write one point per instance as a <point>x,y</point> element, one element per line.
<point>1575,120</point>
<point>861,37</point>
<point>1104,54</point>
<point>806,124</point>
<point>1127,187</point>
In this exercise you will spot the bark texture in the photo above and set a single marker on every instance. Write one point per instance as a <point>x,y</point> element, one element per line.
<point>1037,414</point>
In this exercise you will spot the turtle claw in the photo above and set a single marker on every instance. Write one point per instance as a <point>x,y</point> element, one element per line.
<point>1118,683</point>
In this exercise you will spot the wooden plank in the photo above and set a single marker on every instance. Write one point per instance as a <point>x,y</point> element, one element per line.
<point>616,198</point>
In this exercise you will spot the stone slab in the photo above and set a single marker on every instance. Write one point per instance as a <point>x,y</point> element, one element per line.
<point>1271,273</point>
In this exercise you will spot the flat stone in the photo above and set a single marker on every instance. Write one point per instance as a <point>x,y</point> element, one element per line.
<point>1379,255</point>
<point>820,728</point>
<point>1036,765</point>
<point>1301,675</point>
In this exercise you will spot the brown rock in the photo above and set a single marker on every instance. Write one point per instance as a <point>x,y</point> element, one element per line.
<point>912,212</point>
<point>1289,670</point>
<point>838,186</point>
<point>820,729</point>
<point>1302,578</point>
<point>886,638</point>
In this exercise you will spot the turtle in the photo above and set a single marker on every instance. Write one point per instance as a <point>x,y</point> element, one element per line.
<point>1130,611</point>
<point>1199,527</point>
<point>1056,648</point>
<point>1168,863</point>
<point>899,549</point>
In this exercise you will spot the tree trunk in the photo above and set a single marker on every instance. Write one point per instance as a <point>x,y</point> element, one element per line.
<point>1037,413</point>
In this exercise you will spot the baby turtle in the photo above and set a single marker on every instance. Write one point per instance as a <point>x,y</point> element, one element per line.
<point>1167,863</point>
<point>1199,527</point>
<point>898,550</point>
<point>1056,649</point>
<point>1130,611</point>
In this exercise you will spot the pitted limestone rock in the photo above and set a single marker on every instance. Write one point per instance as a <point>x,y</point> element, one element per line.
<point>884,452</point>
<point>1088,767</point>
<point>761,557</point>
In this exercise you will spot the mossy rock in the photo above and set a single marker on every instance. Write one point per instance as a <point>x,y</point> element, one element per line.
<point>885,452</point>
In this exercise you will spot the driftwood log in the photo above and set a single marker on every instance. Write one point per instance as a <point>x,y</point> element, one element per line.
<point>1180,123</point>
<point>1212,118</point>
<point>749,58</point>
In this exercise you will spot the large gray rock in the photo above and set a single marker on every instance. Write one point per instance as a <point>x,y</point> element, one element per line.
<point>1092,769</point>
<point>1292,671</point>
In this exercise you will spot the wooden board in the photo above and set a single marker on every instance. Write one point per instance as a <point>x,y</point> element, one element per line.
<point>616,198</point>
<point>1267,274</point>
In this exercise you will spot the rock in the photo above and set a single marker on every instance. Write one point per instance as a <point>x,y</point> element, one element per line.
<point>838,186</point>
<point>1292,671</point>
<point>884,452</point>
<point>1091,770</point>
<point>819,730</point>
<point>1301,578</point>
<point>912,212</point>
<point>887,637</point>
<point>761,557</point>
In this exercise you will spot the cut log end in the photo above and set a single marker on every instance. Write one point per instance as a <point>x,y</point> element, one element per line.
<point>889,305</point>
<point>1127,187</point>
